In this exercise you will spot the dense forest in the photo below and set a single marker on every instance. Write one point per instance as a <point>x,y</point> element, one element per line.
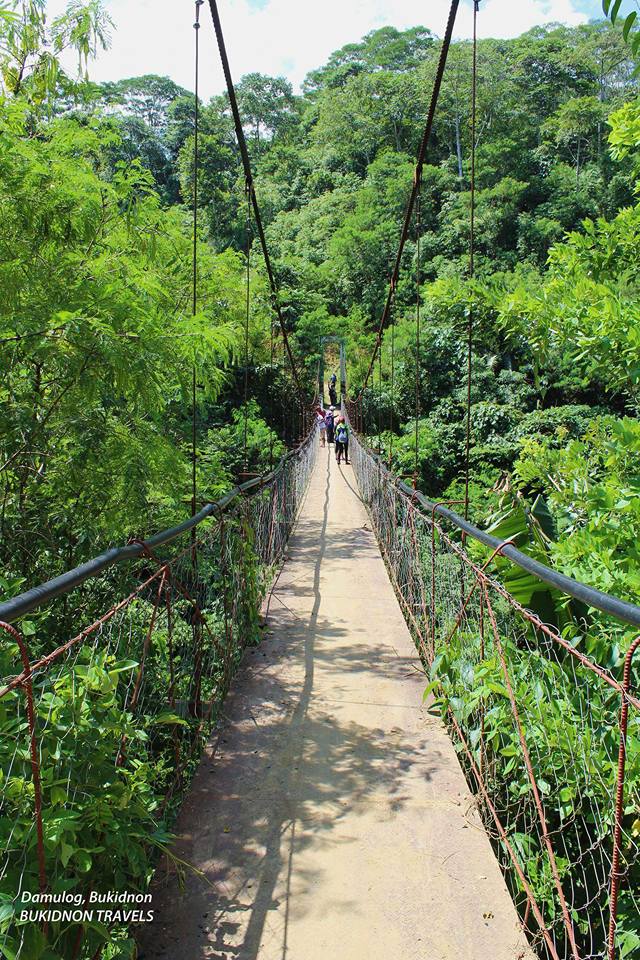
<point>99,337</point>
<point>98,333</point>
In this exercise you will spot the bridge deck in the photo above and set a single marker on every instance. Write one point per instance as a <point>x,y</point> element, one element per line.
<point>330,817</point>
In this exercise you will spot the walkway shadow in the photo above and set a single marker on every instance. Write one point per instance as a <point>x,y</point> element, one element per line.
<point>279,779</point>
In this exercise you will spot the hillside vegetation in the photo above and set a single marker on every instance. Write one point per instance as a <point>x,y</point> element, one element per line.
<point>98,335</point>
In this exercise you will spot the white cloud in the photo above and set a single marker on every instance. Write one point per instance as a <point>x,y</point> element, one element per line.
<point>287,37</point>
<point>506,18</point>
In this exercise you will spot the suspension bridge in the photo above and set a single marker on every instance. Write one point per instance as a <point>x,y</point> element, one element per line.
<point>372,745</point>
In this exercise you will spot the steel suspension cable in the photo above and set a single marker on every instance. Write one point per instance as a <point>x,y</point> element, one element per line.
<point>379,417</point>
<point>272,368</point>
<point>392,405</point>
<point>418,378</point>
<point>470,317</point>
<point>284,406</point>
<point>246,163</point>
<point>194,302</point>
<point>444,51</point>
<point>246,333</point>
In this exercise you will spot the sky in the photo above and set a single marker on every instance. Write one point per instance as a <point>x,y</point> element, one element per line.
<point>290,37</point>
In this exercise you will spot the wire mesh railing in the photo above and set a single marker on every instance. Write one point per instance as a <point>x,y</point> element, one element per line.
<point>102,729</point>
<point>549,738</point>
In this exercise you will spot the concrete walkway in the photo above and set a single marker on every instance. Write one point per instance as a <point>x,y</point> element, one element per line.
<point>330,817</point>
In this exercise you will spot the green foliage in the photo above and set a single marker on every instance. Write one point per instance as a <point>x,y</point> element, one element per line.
<point>363,113</point>
<point>625,134</point>
<point>586,311</point>
<point>223,453</point>
<point>613,9</point>
<point>571,759</point>
<point>30,47</point>
<point>98,345</point>
<point>109,782</point>
<point>148,98</point>
<point>574,128</point>
<point>438,446</point>
<point>108,829</point>
<point>386,48</point>
<point>266,105</point>
<point>593,487</point>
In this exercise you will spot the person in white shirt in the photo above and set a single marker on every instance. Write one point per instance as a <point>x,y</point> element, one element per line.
<point>322,426</point>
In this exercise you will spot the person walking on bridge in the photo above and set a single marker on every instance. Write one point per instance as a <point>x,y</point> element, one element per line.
<point>333,396</point>
<point>329,424</point>
<point>322,425</point>
<point>342,441</point>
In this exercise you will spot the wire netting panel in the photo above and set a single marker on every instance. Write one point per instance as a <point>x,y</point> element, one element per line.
<point>103,730</point>
<point>537,726</point>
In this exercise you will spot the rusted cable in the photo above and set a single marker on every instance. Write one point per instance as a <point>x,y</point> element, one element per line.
<point>27,685</point>
<point>616,873</point>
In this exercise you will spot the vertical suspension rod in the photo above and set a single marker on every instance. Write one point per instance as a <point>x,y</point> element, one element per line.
<point>244,153</point>
<point>379,417</point>
<point>392,405</point>
<point>444,51</point>
<point>246,332</point>
<point>273,377</point>
<point>472,222</point>
<point>417,397</point>
<point>194,298</point>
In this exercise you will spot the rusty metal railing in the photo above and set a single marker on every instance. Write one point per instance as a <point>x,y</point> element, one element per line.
<point>549,737</point>
<point>102,729</point>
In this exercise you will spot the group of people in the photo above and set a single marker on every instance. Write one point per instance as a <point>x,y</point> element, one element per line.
<point>333,429</point>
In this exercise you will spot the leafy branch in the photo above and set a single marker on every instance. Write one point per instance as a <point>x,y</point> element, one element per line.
<point>612,11</point>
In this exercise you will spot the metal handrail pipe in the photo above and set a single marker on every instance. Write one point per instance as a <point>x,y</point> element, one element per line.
<point>11,610</point>
<point>621,609</point>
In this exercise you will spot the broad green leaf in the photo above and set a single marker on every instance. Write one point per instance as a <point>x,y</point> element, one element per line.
<point>82,860</point>
<point>169,719</point>
<point>615,9</point>
<point>628,23</point>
